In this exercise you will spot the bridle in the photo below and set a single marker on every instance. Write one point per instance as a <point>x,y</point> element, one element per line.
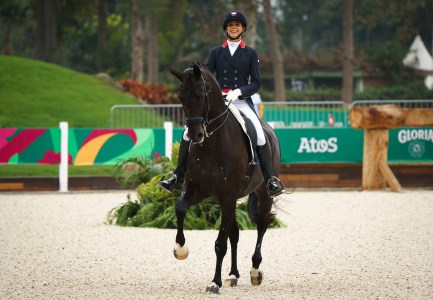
<point>208,99</point>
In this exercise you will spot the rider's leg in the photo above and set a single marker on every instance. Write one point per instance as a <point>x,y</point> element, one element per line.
<point>273,184</point>
<point>179,173</point>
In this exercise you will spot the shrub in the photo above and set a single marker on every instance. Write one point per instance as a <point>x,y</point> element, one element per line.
<point>152,93</point>
<point>414,90</point>
<point>154,207</point>
<point>136,170</point>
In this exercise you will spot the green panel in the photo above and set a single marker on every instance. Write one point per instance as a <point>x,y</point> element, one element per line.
<point>14,159</point>
<point>37,150</point>
<point>72,143</point>
<point>113,147</point>
<point>411,145</point>
<point>81,135</point>
<point>177,134</point>
<point>55,138</point>
<point>143,147</point>
<point>325,145</point>
<point>159,147</point>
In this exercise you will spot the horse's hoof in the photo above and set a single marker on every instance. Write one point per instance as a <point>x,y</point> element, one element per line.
<point>213,288</point>
<point>256,276</point>
<point>180,252</point>
<point>231,281</point>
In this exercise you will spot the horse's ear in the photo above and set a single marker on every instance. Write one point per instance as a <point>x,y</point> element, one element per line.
<point>179,75</point>
<point>196,70</point>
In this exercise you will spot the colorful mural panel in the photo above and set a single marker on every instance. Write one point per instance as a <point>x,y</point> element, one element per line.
<point>86,146</point>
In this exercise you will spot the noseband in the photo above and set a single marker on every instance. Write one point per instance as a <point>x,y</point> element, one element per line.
<point>208,99</point>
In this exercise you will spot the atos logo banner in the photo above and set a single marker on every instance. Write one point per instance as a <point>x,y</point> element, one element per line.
<point>324,145</point>
<point>314,145</point>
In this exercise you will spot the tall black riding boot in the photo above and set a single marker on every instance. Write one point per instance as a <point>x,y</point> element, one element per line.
<point>273,184</point>
<point>179,173</point>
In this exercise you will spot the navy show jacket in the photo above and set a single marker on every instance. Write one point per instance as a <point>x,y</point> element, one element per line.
<point>240,71</point>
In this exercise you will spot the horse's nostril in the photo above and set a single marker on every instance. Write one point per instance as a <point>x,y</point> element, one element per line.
<point>200,135</point>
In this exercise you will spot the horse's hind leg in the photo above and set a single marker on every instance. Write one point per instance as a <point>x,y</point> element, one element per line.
<point>262,216</point>
<point>234,239</point>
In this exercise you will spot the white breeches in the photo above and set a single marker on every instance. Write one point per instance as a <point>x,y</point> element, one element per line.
<point>247,110</point>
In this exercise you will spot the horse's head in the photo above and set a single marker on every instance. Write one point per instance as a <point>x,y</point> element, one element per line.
<point>195,96</point>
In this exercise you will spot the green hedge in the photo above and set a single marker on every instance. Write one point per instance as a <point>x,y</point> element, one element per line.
<point>409,91</point>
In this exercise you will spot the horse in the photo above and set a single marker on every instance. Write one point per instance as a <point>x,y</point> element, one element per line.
<point>218,166</point>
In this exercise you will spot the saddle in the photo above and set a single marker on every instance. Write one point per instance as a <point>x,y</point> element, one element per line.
<point>250,133</point>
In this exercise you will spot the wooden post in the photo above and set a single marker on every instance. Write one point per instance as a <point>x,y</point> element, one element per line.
<point>376,120</point>
<point>389,176</point>
<point>375,151</point>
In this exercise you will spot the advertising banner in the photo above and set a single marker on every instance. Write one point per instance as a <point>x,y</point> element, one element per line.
<point>325,145</point>
<point>90,146</point>
<point>411,145</point>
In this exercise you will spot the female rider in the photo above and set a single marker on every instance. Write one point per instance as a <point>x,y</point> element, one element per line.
<point>236,68</point>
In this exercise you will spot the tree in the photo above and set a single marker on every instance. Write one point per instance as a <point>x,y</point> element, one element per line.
<point>46,29</point>
<point>152,47</point>
<point>102,30</point>
<point>277,57</point>
<point>348,56</point>
<point>13,14</point>
<point>137,41</point>
<point>249,8</point>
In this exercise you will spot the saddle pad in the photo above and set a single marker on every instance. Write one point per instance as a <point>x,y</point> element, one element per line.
<point>241,121</point>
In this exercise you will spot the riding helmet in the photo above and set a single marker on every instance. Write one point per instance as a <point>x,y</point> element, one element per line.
<point>235,15</point>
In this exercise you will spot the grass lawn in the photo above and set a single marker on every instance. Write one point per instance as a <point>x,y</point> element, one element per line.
<point>39,94</point>
<point>36,94</point>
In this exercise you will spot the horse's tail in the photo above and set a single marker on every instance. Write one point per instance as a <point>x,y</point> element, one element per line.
<point>259,214</point>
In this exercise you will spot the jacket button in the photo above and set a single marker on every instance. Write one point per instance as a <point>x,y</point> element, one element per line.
<point>225,71</point>
<point>225,85</point>
<point>225,78</point>
<point>236,78</point>
<point>236,85</point>
<point>236,71</point>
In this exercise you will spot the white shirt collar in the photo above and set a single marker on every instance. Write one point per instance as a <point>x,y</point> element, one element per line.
<point>233,46</point>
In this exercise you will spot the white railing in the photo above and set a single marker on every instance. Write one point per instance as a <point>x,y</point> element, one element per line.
<point>293,114</point>
<point>146,115</point>
<point>306,113</point>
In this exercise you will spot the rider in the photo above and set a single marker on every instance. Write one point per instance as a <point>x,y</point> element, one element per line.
<point>236,67</point>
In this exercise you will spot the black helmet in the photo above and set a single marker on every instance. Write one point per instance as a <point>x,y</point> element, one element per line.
<point>235,15</point>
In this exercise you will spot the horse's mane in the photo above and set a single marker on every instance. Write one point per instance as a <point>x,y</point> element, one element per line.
<point>201,65</point>
<point>206,71</point>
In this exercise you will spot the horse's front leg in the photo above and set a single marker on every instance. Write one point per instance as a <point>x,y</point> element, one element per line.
<point>234,239</point>
<point>180,250</point>
<point>228,215</point>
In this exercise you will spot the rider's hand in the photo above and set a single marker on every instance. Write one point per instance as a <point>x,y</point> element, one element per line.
<point>233,95</point>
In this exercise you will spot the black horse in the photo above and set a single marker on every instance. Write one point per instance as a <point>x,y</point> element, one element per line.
<point>219,166</point>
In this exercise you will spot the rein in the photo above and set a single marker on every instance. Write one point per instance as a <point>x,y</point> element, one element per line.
<point>208,99</point>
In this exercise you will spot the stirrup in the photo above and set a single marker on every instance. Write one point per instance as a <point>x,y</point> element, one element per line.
<point>278,190</point>
<point>169,186</point>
